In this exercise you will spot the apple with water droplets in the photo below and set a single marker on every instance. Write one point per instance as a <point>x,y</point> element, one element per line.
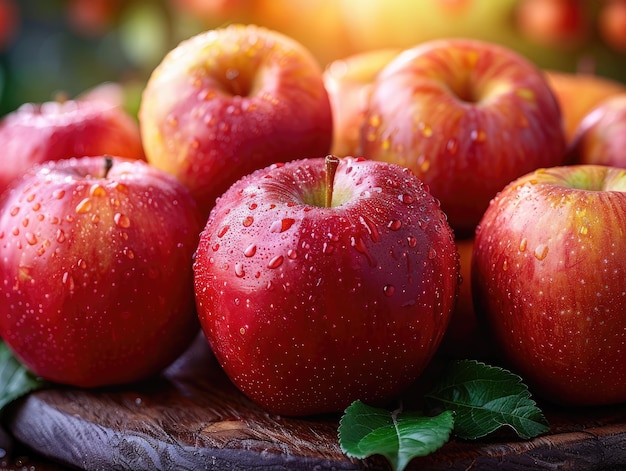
<point>37,132</point>
<point>96,269</point>
<point>325,280</point>
<point>549,277</point>
<point>467,117</point>
<point>232,100</point>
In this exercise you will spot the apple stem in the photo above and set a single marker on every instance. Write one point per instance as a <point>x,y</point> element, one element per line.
<point>108,164</point>
<point>332,162</point>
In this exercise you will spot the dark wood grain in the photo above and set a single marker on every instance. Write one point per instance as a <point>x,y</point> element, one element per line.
<point>192,418</point>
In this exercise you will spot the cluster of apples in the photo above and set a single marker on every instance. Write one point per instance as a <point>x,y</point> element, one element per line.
<point>317,280</point>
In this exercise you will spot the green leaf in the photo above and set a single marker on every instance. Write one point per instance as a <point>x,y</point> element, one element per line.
<point>398,436</point>
<point>485,398</point>
<point>15,379</point>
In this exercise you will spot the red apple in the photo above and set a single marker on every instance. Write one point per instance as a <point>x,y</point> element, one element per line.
<point>95,262</point>
<point>578,94</point>
<point>310,304</point>
<point>229,101</point>
<point>467,117</point>
<point>563,24</point>
<point>601,136</point>
<point>348,82</point>
<point>612,24</point>
<point>39,132</point>
<point>548,274</point>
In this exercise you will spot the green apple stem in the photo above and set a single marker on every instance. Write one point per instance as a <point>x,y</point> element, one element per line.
<point>332,162</point>
<point>108,163</point>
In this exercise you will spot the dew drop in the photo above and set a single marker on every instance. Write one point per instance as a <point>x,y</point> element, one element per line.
<point>223,231</point>
<point>327,248</point>
<point>275,262</point>
<point>36,207</point>
<point>129,253</point>
<point>250,250</point>
<point>30,238</point>
<point>83,206</point>
<point>239,271</point>
<point>431,253</point>
<point>522,245</point>
<point>247,222</point>
<point>452,146</point>
<point>58,194</point>
<point>389,290</point>
<point>292,254</point>
<point>406,199</point>
<point>121,220</point>
<point>395,224</point>
<point>282,225</point>
<point>412,241</point>
<point>15,210</point>
<point>371,228</point>
<point>478,135</point>
<point>541,252</point>
<point>215,247</point>
<point>97,190</point>
<point>68,281</point>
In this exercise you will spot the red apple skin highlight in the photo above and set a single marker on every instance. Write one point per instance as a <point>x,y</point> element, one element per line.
<point>548,275</point>
<point>39,132</point>
<point>467,117</point>
<point>96,271</point>
<point>308,307</point>
<point>229,101</point>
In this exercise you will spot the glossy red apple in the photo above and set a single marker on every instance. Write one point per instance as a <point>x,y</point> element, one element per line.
<point>309,304</point>
<point>578,94</point>
<point>549,275</point>
<point>601,135</point>
<point>95,262</point>
<point>467,117</point>
<point>565,24</point>
<point>348,82</point>
<point>39,132</point>
<point>229,101</point>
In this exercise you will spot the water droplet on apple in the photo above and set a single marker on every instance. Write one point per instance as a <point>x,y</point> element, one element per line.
<point>97,190</point>
<point>505,265</point>
<point>84,206</point>
<point>248,220</point>
<point>395,224</point>
<point>250,250</point>
<point>275,262</point>
<point>522,245</point>
<point>30,238</point>
<point>282,225</point>
<point>58,194</point>
<point>452,145</point>
<point>389,290</point>
<point>541,252</point>
<point>292,254</point>
<point>128,252</point>
<point>406,199</point>
<point>223,231</point>
<point>427,130</point>
<point>412,241</point>
<point>371,228</point>
<point>478,135</point>
<point>327,248</point>
<point>68,281</point>
<point>239,271</point>
<point>14,211</point>
<point>121,220</point>
<point>432,253</point>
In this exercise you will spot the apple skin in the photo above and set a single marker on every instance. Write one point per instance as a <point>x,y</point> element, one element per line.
<point>348,82</point>
<point>548,272</point>
<point>97,282</point>
<point>578,94</point>
<point>467,117</point>
<point>38,132</point>
<point>229,101</point>
<point>307,307</point>
<point>601,136</point>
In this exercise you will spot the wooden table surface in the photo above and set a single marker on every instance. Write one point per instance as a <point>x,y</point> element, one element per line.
<point>192,418</point>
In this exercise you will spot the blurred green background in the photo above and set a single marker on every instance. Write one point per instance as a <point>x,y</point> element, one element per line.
<point>51,47</point>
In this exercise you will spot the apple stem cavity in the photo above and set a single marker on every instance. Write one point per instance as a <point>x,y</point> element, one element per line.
<point>108,164</point>
<point>332,162</point>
